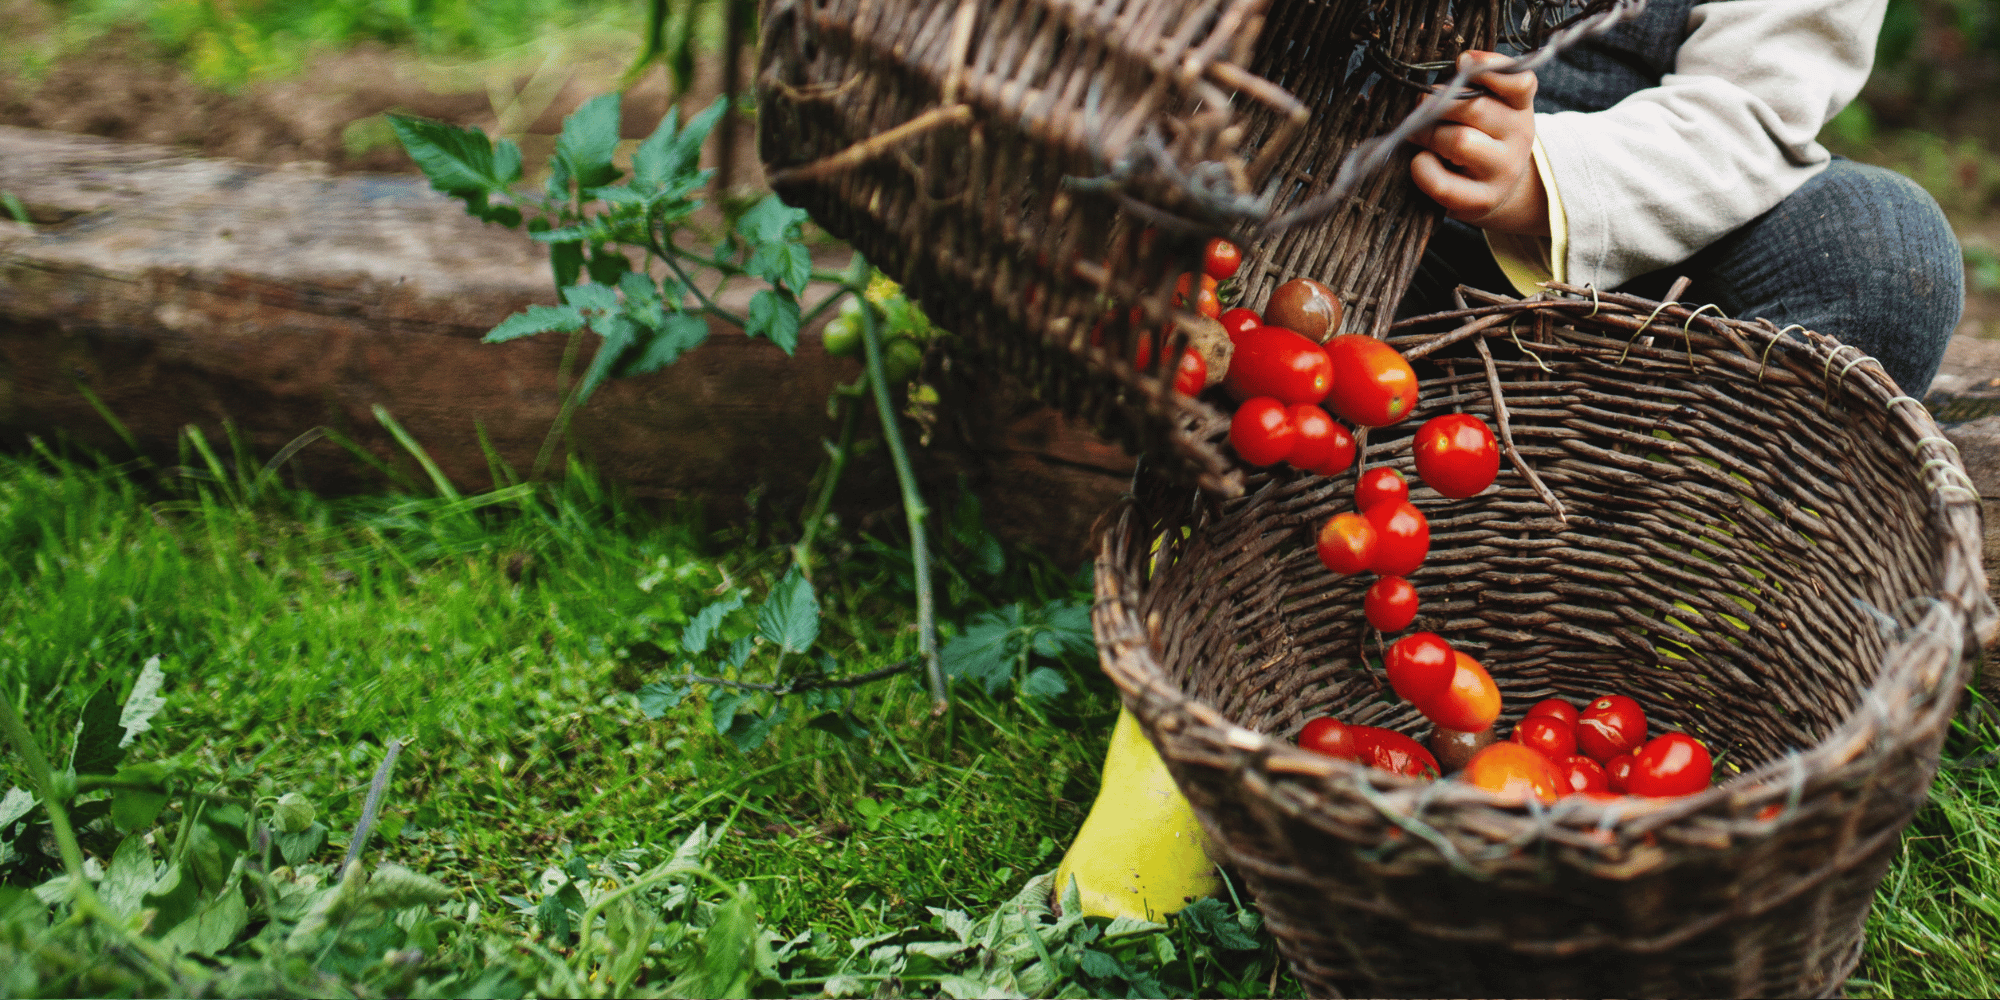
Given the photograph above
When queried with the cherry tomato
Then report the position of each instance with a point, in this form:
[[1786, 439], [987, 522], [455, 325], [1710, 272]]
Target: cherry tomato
[[1669, 765], [1456, 454], [1550, 736], [1391, 751], [1469, 703], [1609, 726], [1239, 321], [1189, 288], [1381, 484], [1346, 541], [1404, 538], [1617, 771], [1391, 604], [1272, 361], [1420, 667], [1316, 441], [1329, 736], [1341, 455], [1207, 302], [1555, 708], [1260, 431], [1221, 259], [1580, 774], [1304, 306], [1513, 772], [1192, 374], [1375, 386]]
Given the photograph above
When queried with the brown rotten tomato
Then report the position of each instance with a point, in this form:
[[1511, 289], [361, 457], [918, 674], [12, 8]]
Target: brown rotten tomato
[[1373, 385], [1304, 306]]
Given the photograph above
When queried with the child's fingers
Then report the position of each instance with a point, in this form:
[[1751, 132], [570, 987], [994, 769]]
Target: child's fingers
[[1462, 197], [1479, 154], [1485, 114], [1515, 90]]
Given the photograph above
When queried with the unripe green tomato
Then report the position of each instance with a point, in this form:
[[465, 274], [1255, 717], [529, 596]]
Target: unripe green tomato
[[901, 360], [842, 336]]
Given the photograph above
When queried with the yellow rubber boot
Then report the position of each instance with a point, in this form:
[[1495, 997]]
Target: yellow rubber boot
[[1141, 853]]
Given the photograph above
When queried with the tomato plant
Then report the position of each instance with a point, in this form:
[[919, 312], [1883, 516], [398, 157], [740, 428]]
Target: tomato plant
[[1456, 455], [1609, 726], [1469, 703], [1669, 765], [1403, 538], [1273, 361], [1331, 737], [1261, 431], [1550, 736], [1373, 385], [1379, 485], [1220, 259], [1306, 307], [1346, 541], [1391, 604], [1391, 751], [1513, 772], [1316, 437], [1555, 708], [1420, 667]]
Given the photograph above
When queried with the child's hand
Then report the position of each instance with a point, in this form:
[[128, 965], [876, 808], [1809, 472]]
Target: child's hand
[[1478, 162]]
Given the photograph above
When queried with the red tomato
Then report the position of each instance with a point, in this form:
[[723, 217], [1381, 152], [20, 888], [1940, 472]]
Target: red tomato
[[1469, 703], [1674, 764], [1316, 440], [1404, 538], [1346, 541], [1581, 775], [1456, 454], [1376, 387], [1550, 736], [1555, 708], [1609, 726], [1618, 770], [1239, 321], [1192, 375], [1341, 455], [1420, 667], [1274, 361], [1513, 772], [1221, 259], [1391, 604], [1381, 484], [1329, 736], [1391, 751], [1207, 302], [1260, 431]]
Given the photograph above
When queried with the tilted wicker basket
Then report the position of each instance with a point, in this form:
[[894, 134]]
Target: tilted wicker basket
[[1003, 160], [1759, 538]]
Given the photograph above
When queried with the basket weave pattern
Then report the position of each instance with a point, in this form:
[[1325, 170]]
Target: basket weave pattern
[[1760, 540]]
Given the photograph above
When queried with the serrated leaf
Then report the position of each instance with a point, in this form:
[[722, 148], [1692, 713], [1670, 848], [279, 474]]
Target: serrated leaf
[[656, 700], [966, 988], [677, 335], [722, 710], [770, 220], [589, 138], [457, 161], [97, 750], [749, 731], [790, 615], [782, 263], [594, 298], [1121, 927], [292, 813], [954, 921], [727, 954], [14, 805], [131, 874], [143, 703], [1043, 684], [607, 266], [214, 927], [987, 650], [695, 637], [1070, 625], [1211, 919], [394, 887], [774, 317], [739, 652], [553, 913], [1099, 965], [618, 333], [536, 319], [667, 152]]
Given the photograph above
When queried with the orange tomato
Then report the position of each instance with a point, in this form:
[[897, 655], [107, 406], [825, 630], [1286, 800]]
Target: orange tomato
[[1513, 772]]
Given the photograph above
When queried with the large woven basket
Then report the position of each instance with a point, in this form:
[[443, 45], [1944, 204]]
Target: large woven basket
[[1759, 538], [1004, 158]]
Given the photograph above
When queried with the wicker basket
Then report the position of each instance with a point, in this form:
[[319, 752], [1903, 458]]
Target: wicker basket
[[1760, 539], [1003, 159]]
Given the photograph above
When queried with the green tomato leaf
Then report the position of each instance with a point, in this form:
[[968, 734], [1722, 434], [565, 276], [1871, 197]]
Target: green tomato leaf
[[458, 161], [566, 261], [607, 266], [695, 637], [131, 873], [618, 333], [841, 725], [678, 334], [770, 221], [783, 263], [739, 651], [293, 813], [534, 320], [394, 887], [668, 153], [1043, 685], [136, 808], [14, 805], [589, 138], [728, 954], [215, 927], [1210, 918], [790, 616], [97, 749], [593, 298], [723, 708], [748, 732], [655, 700], [987, 650], [775, 317]]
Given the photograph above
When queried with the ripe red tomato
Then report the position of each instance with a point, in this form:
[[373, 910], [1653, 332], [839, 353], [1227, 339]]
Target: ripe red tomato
[[1341, 455], [1609, 726], [1392, 751], [1456, 454], [1316, 438], [1261, 432], [1273, 361], [1403, 538], [1550, 736], [1617, 771], [1580, 774], [1391, 604], [1669, 765], [1198, 293], [1420, 667], [1469, 703], [1192, 374], [1555, 708], [1239, 321], [1513, 772], [1346, 542], [1329, 736], [1221, 259], [1379, 485], [1376, 387]]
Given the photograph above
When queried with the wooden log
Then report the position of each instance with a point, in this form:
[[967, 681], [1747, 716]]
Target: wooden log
[[187, 291]]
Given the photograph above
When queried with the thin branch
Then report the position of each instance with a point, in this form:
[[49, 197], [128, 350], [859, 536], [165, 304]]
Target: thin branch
[[913, 509], [666, 253], [1507, 433]]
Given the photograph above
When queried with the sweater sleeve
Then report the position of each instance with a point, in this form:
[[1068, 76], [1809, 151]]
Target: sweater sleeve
[[1726, 136]]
